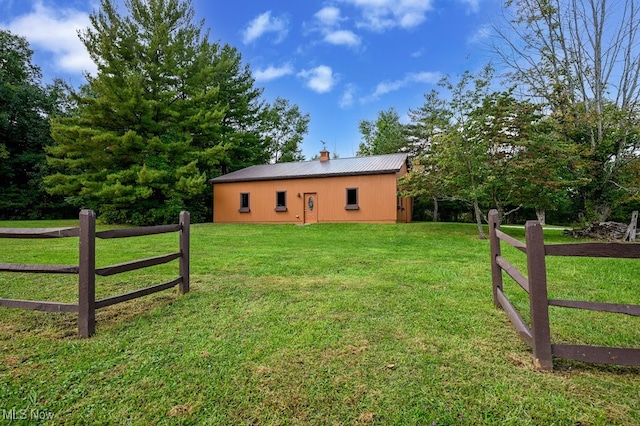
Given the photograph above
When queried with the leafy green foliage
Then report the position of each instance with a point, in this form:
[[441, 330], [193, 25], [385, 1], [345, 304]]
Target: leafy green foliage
[[238, 131], [489, 150], [456, 161], [385, 135], [167, 111], [565, 137], [579, 60], [25, 107], [427, 121], [283, 127]]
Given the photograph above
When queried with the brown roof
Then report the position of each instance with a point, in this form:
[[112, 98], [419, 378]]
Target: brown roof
[[373, 165]]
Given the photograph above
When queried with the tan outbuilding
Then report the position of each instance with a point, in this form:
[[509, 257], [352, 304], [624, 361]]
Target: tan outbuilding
[[359, 189]]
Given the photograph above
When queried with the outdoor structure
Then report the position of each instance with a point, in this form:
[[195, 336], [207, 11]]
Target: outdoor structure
[[87, 271], [359, 189], [538, 335]]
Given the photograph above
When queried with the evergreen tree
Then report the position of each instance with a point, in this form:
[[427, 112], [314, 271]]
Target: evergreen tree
[[238, 129], [386, 135], [147, 127], [283, 126]]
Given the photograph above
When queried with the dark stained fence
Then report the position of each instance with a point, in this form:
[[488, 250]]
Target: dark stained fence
[[538, 336], [87, 271]]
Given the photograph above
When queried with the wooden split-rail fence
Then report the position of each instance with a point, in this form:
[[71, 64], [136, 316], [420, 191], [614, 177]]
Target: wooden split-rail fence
[[538, 336], [87, 271]]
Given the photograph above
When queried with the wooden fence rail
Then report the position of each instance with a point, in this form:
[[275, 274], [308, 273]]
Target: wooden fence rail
[[538, 335], [87, 271]]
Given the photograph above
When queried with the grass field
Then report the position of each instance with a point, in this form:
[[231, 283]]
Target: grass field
[[326, 324]]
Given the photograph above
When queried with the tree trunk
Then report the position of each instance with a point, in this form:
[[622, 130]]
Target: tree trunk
[[435, 209], [478, 214], [541, 214]]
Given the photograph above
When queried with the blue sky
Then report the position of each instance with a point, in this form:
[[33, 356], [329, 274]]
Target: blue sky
[[341, 61]]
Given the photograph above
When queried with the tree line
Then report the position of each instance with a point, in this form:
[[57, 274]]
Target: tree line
[[561, 136], [166, 111]]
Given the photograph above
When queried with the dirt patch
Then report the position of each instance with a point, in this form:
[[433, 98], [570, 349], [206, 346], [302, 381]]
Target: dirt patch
[[180, 410], [365, 418], [12, 360]]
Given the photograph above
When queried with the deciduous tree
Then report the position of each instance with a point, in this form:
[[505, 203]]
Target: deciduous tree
[[25, 108], [581, 60], [486, 149]]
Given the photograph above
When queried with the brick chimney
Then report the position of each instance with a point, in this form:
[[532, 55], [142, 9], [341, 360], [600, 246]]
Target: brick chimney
[[324, 155]]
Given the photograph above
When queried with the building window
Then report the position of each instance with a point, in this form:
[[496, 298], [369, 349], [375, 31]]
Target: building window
[[352, 199], [281, 201], [244, 202]]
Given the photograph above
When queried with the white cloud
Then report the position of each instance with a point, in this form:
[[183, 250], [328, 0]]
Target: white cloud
[[263, 24], [319, 79], [428, 77], [55, 31], [328, 22], [342, 37], [387, 87], [481, 34], [418, 53], [425, 77], [348, 97], [272, 73], [473, 5], [380, 15], [329, 16]]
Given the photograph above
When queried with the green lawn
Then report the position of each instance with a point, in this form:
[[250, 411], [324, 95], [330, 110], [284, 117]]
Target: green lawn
[[322, 324]]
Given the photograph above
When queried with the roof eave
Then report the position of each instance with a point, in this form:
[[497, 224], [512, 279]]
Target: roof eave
[[322, 175]]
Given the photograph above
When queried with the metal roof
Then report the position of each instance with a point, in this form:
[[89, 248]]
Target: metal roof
[[375, 164]]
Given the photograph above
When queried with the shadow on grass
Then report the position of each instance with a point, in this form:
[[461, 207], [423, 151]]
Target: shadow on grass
[[567, 366], [64, 326]]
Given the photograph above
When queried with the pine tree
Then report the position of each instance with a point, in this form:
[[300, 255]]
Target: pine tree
[[283, 127], [238, 130], [386, 135], [146, 129]]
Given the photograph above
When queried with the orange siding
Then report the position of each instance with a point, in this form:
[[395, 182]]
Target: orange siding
[[377, 200]]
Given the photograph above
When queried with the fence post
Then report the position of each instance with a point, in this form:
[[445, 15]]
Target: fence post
[[87, 275], [494, 241], [538, 298], [185, 222]]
